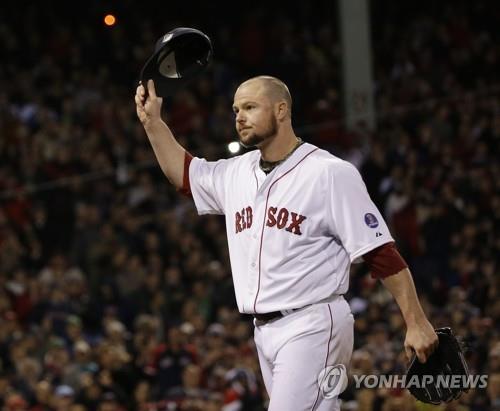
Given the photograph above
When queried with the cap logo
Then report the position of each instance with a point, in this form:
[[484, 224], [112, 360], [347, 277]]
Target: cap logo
[[167, 37]]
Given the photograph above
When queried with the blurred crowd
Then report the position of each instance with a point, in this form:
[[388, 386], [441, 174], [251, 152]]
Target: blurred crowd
[[116, 296]]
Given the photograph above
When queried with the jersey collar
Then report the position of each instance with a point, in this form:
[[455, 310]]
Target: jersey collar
[[285, 167], [294, 159]]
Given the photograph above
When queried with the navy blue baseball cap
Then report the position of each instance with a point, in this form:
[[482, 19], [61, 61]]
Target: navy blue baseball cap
[[179, 56]]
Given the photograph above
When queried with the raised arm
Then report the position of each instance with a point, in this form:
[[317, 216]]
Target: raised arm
[[169, 153]]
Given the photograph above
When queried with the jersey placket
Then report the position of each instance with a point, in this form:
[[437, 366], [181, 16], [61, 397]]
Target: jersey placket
[[254, 245], [256, 249]]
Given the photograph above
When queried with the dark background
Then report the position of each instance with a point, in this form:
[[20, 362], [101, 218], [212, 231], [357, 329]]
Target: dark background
[[114, 294]]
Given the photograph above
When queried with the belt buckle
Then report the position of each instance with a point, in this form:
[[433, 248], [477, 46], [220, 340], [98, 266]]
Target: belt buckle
[[286, 312]]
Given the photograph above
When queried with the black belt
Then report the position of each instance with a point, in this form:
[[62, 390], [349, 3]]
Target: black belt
[[266, 317]]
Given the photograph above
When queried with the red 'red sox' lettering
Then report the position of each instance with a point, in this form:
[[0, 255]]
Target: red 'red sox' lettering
[[280, 220], [243, 219]]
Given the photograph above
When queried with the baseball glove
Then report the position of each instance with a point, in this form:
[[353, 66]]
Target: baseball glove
[[444, 376]]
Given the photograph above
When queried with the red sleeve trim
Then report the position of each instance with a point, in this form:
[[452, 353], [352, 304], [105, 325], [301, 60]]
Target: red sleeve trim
[[385, 261], [186, 187]]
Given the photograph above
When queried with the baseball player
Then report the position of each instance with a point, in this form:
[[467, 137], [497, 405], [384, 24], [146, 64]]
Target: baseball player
[[297, 217]]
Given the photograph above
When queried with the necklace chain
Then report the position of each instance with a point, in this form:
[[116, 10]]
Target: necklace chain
[[268, 166]]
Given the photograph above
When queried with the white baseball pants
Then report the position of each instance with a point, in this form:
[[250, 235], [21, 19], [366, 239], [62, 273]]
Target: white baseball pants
[[295, 349]]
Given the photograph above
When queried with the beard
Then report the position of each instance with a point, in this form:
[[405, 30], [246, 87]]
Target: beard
[[253, 139]]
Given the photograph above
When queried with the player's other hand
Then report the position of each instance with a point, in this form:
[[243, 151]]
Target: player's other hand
[[148, 104], [421, 339]]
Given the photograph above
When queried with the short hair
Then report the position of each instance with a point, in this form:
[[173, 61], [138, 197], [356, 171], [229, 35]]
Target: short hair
[[275, 88]]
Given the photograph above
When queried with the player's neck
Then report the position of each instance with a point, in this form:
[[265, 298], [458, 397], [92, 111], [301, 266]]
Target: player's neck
[[278, 147]]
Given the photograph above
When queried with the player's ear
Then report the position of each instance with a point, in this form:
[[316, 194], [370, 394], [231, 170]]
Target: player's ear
[[281, 110]]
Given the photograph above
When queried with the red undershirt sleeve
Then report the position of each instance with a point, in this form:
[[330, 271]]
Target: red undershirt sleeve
[[384, 261], [186, 187]]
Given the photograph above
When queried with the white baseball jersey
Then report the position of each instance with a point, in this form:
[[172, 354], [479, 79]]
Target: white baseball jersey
[[293, 233]]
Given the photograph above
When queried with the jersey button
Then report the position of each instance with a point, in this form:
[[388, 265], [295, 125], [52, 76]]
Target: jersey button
[[253, 265]]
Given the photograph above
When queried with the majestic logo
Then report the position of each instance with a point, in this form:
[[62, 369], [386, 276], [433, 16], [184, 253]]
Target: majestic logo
[[243, 219], [371, 221], [281, 218]]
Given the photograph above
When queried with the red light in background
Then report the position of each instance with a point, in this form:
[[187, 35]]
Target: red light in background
[[109, 20]]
